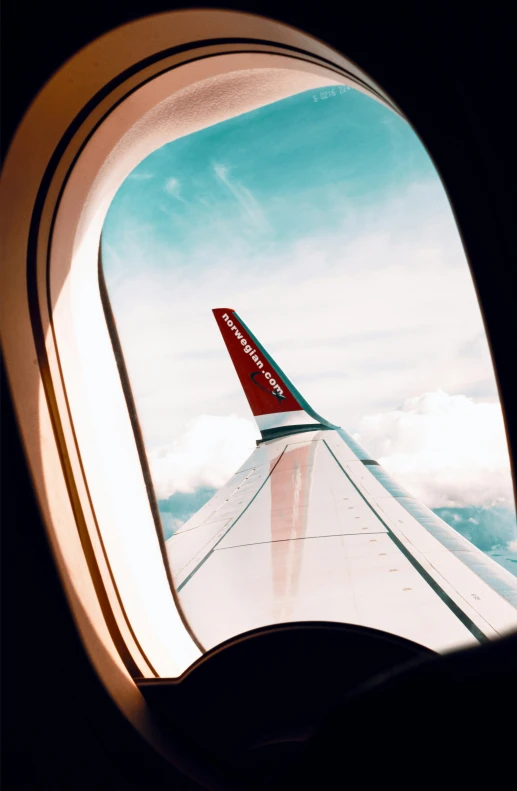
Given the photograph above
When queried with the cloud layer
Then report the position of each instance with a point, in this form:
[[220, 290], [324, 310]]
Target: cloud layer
[[447, 450], [328, 231], [358, 322], [206, 454]]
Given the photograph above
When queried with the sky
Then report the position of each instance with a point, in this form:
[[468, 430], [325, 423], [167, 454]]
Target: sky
[[323, 223]]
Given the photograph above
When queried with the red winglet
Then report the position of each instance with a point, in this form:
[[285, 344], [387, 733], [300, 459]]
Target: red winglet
[[263, 385]]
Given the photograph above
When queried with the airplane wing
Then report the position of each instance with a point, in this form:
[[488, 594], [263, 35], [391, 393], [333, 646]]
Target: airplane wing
[[312, 528]]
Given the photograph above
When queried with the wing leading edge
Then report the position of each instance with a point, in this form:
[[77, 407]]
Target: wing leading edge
[[311, 528]]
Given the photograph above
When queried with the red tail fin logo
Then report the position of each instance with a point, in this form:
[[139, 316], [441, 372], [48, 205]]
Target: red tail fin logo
[[265, 389], [278, 394]]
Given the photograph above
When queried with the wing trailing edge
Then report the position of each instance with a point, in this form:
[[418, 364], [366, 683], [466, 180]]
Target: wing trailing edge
[[277, 405]]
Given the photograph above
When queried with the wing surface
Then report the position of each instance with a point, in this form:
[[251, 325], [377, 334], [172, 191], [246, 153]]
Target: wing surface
[[311, 528]]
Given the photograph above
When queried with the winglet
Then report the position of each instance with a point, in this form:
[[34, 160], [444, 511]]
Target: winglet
[[278, 407]]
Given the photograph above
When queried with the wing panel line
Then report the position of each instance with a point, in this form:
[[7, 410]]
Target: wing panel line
[[300, 538], [194, 571], [444, 596], [209, 518]]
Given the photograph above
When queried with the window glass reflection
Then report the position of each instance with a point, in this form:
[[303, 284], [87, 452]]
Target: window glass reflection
[[307, 215]]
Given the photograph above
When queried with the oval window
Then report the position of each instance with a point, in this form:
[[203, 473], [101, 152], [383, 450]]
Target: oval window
[[289, 288]]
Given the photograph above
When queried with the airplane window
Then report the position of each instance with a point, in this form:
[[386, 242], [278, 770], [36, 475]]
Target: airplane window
[[240, 262]]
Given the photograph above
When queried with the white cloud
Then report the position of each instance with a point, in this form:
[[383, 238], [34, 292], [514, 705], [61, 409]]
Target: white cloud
[[251, 208], [360, 321], [221, 171], [207, 453], [173, 188], [140, 176], [170, 524], [447, 450], [353, 337]]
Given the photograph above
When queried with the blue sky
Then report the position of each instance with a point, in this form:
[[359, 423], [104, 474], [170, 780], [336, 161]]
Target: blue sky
[[198, 187], [323, 223]]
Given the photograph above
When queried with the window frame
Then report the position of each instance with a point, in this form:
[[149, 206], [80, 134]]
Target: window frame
[[45, 228]]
